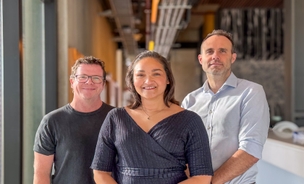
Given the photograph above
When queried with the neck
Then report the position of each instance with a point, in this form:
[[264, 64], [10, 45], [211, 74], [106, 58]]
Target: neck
[[152, 111], [84, 106], [153, 104], [214, 86], [215, 82]]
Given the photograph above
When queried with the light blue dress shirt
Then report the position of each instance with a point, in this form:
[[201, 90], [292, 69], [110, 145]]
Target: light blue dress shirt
[[236, 117]]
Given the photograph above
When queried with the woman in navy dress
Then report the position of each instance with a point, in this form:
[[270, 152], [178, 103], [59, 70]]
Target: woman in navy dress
[[153, 140]]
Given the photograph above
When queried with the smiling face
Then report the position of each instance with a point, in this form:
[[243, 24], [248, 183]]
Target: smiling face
[[150, 79], [87, 90], [216, 56]]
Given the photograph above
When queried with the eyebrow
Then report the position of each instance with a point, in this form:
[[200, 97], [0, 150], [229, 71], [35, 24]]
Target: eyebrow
[[208, 49], [224, 49], [154, 70]]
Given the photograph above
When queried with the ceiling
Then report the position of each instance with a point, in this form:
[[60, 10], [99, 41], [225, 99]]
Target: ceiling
[[244, 3], [133, 27]]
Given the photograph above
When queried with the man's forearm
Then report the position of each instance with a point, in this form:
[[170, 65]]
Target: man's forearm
[[236, 165]]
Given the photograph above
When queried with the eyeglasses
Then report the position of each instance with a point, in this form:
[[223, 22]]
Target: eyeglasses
[[96, 79]]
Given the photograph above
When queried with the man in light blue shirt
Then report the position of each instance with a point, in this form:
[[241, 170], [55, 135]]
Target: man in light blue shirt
[[235, 113]]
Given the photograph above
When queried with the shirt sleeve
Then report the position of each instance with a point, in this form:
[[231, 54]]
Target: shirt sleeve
[[105, 152], [197, 148], [255, 121], [44, 139]]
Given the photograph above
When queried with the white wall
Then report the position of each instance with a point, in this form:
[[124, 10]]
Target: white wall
[[270, 174]]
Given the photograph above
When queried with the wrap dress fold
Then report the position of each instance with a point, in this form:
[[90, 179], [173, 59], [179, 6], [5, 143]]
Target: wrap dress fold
[[158, 156]]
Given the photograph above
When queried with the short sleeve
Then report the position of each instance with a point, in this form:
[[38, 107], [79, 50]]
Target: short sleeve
[[255, 122], [44, 139], [105, 152], [197, 148]]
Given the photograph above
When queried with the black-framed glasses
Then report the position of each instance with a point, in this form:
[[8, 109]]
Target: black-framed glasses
[[96, 79]]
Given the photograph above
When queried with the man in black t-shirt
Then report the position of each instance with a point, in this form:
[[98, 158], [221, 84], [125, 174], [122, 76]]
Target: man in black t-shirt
[[66, 137]]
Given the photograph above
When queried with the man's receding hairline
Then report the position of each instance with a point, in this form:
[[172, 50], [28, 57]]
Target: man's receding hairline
[[221, 36]]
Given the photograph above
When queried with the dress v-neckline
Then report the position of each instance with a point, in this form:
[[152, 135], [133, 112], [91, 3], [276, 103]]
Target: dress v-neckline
[[156, 125]]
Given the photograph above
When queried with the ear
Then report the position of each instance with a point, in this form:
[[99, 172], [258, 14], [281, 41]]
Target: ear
[[104, 83], [200, 59], [233, 57], [71, 82]]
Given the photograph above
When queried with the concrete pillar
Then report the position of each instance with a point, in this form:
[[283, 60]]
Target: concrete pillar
[[33, 77], [294, 65], [63, 54]]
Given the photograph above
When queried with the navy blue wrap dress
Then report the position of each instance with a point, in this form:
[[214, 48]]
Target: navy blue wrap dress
[[158, 156]]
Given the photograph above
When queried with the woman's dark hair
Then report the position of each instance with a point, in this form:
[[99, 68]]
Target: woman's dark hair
[[169, 92]]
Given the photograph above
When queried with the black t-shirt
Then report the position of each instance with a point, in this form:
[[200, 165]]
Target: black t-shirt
[[71, 136]]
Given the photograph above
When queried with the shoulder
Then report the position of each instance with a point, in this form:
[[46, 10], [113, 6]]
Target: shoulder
[[189, 118], [55, 118], [114, 118], [239, 85], [189, 123], [191, 115], [246, 84], [107, 107], [249, 89], [252, 94], [194, 94], [57, 113], [118, 112]]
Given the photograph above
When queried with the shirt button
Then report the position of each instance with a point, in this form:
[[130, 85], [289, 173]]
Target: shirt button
[[210, 111], [208, 127]]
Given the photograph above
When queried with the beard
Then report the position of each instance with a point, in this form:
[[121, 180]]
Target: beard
[[219, 70]]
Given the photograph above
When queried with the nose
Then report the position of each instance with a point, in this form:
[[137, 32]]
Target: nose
[[148, 79], [215, 56], [89, 81]]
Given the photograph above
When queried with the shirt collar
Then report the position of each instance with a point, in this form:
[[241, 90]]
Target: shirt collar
[[231, 81]]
